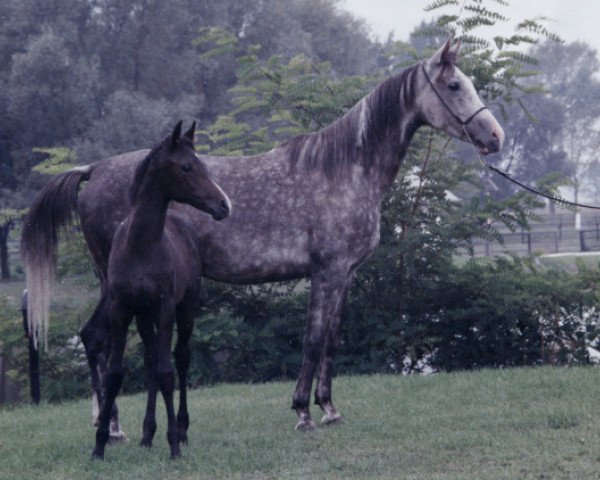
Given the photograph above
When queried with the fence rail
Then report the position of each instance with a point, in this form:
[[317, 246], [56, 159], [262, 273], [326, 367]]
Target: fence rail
[[556, 234]]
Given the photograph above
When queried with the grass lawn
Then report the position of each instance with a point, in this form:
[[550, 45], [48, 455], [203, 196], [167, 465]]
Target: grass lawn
[[569, 262], [541, 423]]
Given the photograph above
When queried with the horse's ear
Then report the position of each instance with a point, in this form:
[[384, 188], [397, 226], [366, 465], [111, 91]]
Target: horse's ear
[[190, 134], [456, 49], [445, 56], [176, 135]]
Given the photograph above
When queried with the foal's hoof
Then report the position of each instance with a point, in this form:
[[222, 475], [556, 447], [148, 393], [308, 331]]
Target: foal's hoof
[[305, 426], [175, 454], [146, 443], [332, 419], [183, 438], [97, 455]]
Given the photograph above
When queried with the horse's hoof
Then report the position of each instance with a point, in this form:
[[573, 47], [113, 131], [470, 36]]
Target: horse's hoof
[[117, 437], [183, 438], [305, 426], [145, 443], [332, 419], [97, 455], [175, 454]]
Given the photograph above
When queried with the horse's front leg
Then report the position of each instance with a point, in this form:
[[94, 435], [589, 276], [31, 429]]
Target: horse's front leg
[[325, 290], [145, 326], [165, 374], [119, 322], [185, 326], [332, 342]]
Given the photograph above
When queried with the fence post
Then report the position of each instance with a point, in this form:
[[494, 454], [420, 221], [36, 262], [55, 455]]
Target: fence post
[[34, 359], [582, 246], [555, 242], [3, 393], [529, 243], [560, 227]]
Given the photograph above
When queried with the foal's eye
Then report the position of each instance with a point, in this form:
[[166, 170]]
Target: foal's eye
[[454, 86], [187, 168]]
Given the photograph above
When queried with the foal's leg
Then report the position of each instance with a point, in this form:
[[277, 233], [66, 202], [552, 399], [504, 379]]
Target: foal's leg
[[332, 342], [325, 290], [145, 326], [119, 323], [165, 373], [95, 336], [185, 326]]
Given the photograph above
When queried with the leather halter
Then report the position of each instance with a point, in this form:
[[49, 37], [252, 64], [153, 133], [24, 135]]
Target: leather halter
[[446, 106]]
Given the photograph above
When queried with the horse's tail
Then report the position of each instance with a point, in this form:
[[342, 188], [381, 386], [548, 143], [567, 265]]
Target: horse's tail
[[53, 209]]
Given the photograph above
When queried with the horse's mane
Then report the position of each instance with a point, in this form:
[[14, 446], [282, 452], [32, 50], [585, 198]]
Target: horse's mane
[[140, 172], [357, 136]]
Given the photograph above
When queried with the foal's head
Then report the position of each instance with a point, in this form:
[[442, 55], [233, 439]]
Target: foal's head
[[449, 102], [177, 173]]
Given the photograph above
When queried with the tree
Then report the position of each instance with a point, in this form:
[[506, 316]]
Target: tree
[[569, 71], [129, 119]]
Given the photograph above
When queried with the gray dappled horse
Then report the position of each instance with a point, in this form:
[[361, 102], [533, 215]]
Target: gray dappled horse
[[154, 274], [308, 208]]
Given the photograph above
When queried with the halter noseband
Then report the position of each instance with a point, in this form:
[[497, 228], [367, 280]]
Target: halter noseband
[[446, 106]]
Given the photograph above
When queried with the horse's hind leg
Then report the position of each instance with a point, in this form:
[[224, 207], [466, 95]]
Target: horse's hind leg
[[332, 342], [185, 326], [114, 377], [145, 326], [95, 336]]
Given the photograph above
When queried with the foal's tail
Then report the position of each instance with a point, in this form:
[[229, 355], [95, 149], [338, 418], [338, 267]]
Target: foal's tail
[[53, 209]]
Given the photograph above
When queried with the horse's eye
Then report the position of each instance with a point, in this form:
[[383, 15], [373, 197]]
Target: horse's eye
[[454, 86], [187, 168]]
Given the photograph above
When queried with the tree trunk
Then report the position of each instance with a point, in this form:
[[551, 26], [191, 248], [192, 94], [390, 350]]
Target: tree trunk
[[4, 264]]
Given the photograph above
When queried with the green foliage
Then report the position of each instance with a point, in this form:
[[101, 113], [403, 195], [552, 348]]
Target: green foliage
[[10, 215], [256, 336], [60, 159], [63, 368], [286, 97]]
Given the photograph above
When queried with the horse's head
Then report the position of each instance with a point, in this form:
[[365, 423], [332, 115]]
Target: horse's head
[[448, 101], [186, 177]]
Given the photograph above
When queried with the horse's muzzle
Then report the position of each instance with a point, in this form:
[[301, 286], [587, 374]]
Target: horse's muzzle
[[222, 211]]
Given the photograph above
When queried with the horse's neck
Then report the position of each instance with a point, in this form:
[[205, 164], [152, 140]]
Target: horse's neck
[[391, 155], [147, 219]]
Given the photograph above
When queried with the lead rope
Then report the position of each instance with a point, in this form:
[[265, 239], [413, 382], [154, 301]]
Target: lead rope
[[546, 194]]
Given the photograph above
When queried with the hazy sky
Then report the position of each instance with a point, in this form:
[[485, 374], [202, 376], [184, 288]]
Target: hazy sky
[[571, 19]]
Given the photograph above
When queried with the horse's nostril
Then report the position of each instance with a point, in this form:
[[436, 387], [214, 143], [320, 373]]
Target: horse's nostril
[[225, 205]]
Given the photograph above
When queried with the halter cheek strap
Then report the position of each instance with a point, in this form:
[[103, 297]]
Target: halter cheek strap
[[464, 123]]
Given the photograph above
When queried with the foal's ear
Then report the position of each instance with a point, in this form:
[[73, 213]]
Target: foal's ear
[[176, 135], [191, 133]]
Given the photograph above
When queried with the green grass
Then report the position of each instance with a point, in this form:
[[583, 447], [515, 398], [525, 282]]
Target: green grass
[[569, 262], [507, 424]]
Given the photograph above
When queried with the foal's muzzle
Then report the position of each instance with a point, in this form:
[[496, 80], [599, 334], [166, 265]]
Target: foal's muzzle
[[222, 211]]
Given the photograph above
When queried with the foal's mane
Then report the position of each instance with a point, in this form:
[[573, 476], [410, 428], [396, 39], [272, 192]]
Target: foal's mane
[[140, 172], [358, 135]]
